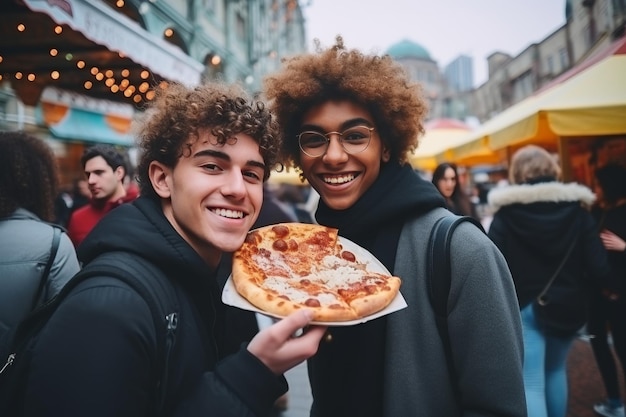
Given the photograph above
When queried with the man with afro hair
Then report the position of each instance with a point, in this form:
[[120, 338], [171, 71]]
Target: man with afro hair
[[349, 122]]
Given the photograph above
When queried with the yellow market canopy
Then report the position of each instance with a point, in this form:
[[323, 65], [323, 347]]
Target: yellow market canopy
[[591, 102], [440, 134]]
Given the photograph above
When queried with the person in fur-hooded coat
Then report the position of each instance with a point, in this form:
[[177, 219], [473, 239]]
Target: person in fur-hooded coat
[[536, 219]]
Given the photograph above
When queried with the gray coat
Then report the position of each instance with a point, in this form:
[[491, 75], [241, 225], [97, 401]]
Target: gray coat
[[25, 243], [484, 327]]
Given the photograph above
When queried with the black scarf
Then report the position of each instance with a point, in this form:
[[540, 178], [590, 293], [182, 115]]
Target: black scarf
[[376, 219]]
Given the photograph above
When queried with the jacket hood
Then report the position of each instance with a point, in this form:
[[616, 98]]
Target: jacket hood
[[554, 192], [141, 228], [544, 217]]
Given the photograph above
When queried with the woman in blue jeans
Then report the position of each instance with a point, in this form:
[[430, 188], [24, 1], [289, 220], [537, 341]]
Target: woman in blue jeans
[[545, 373], [537, 218]]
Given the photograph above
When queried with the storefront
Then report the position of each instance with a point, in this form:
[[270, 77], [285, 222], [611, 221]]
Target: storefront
[[83, 70], [581, 116]]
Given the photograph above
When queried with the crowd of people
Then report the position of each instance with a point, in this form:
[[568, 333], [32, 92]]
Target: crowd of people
[[347, 122]]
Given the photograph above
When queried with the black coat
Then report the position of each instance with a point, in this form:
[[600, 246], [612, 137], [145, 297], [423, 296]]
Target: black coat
[[534, 225], [97, 355]]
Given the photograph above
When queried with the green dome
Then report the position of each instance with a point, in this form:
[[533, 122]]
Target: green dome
[[408, 49]]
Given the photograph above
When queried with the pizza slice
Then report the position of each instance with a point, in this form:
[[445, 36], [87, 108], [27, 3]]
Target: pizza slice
[[286, 267]]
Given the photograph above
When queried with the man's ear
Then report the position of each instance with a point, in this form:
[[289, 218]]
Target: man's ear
[[160, 177], [120, 173]]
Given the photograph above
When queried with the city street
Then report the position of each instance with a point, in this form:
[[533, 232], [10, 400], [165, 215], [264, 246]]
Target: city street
[[585, 385]]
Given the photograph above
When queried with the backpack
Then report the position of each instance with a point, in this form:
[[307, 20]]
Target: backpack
[[141, 275], [439, 280], [39, 292]]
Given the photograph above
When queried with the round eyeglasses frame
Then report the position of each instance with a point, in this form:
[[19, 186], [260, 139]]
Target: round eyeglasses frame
[[342, 141]]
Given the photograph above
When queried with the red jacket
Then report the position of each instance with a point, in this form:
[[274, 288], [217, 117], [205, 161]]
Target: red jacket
[[85, 218]]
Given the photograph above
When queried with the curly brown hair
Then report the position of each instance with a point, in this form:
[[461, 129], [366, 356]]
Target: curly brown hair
[[378, 83], [28, 175], [178, 113]]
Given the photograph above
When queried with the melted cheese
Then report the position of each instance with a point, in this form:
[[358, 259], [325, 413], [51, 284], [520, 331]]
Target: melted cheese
[[283, 287]]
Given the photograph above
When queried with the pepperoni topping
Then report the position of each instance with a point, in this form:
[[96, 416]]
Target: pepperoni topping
[[348, 256], [280, 230], [280, 245], [312, 302]]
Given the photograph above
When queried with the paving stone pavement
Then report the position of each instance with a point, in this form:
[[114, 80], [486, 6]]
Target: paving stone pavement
[[299, 395], [585, 385]]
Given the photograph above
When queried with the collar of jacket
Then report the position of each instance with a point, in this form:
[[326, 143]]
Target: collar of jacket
[[547, 192]]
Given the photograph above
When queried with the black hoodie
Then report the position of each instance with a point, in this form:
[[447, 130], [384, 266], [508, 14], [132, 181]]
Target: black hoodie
[[96, 356]]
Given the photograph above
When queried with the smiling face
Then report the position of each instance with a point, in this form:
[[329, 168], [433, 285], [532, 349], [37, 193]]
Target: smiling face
[[339, 177], [214, 193]]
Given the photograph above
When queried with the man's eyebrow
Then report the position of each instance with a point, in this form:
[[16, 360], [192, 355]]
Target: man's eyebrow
[[224, 156], [359, 121]]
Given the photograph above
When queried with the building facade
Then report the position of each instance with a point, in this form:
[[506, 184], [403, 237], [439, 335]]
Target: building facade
[[589, 25]]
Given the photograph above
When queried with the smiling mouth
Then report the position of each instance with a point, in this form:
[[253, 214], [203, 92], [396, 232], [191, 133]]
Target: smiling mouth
[[338, 179], [229, 214]]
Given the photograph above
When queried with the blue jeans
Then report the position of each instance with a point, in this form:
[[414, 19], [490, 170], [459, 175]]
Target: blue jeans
[[545, 373]]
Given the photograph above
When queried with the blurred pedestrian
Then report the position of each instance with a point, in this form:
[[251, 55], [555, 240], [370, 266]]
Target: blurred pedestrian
[[350, 121], [540, 223], [446, 179], [68, 201], [105, 172], [28, 182], [608, 304]]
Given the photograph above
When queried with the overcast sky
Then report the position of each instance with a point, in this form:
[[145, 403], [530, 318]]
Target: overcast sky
[[446, 28]]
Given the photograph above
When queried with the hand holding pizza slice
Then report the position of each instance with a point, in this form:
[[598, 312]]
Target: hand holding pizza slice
[[291, 266]]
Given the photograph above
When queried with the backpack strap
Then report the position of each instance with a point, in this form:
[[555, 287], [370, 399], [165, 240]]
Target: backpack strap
[[54, 247], [143, 277], [439, 277]]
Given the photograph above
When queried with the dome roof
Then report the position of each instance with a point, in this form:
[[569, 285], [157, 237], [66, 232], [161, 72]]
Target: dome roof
[[408, 49]]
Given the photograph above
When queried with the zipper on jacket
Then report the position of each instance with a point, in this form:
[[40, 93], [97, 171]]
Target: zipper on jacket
[[8, 363], [171, 325]]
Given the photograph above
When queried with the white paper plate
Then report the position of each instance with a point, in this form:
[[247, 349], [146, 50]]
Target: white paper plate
[[231, 297]]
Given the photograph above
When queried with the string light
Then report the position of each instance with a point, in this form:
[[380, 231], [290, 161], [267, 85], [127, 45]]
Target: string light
[[169, 32], [124, 84]]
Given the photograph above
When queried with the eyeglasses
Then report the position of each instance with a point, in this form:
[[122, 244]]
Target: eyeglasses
[[353, 140]]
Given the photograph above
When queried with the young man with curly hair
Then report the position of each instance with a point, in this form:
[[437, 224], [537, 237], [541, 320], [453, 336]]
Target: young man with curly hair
[[205, 154], [349, 121]]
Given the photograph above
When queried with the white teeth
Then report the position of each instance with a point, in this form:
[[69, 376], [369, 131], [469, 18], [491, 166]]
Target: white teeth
[[231, 214], [339, 180]]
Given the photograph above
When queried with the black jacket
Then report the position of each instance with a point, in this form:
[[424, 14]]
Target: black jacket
[[533, 226], [97, 355]]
